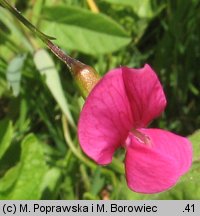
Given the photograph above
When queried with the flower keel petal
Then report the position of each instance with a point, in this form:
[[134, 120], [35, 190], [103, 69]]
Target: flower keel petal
[[155, 168]]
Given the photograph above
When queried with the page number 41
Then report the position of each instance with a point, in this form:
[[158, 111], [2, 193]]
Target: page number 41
[[189, 208]]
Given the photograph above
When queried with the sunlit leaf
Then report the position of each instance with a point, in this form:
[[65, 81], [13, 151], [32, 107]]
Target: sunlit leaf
[[81, 30], [13, 73], [46, 67], [49, 188], [24, 180]]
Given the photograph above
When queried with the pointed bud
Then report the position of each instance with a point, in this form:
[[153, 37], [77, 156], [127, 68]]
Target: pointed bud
[[85, 76]]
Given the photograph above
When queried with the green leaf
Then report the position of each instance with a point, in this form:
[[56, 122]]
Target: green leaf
[[8, 181], [98, 182], [82, 30], [24, 180], [49, 187], [6, 132], [67, 186], [142, 8], [13, 73], [195, 140], [46, 67]]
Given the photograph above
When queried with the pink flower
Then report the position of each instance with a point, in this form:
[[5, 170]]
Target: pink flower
[[114, 115]]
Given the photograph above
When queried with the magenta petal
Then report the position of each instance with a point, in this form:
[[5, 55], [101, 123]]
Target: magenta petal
[[145, 93], [106, 118], [157, 167]]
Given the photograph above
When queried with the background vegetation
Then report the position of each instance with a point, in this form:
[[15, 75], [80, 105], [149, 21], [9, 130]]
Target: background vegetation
[[40, 157]]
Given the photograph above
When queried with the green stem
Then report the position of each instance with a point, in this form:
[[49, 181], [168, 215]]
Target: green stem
[[31, 27], [71, 144], [85, 177]]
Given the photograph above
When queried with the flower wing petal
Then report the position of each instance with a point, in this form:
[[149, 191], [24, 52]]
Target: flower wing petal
[[105, 119], [157, 167], [145, 93]]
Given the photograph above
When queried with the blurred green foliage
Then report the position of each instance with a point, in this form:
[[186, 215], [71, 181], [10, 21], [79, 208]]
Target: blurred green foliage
[[40, 156]]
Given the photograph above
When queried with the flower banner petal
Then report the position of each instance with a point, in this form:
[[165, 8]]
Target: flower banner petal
[[106, 118], [156, 166], [145, 93]]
